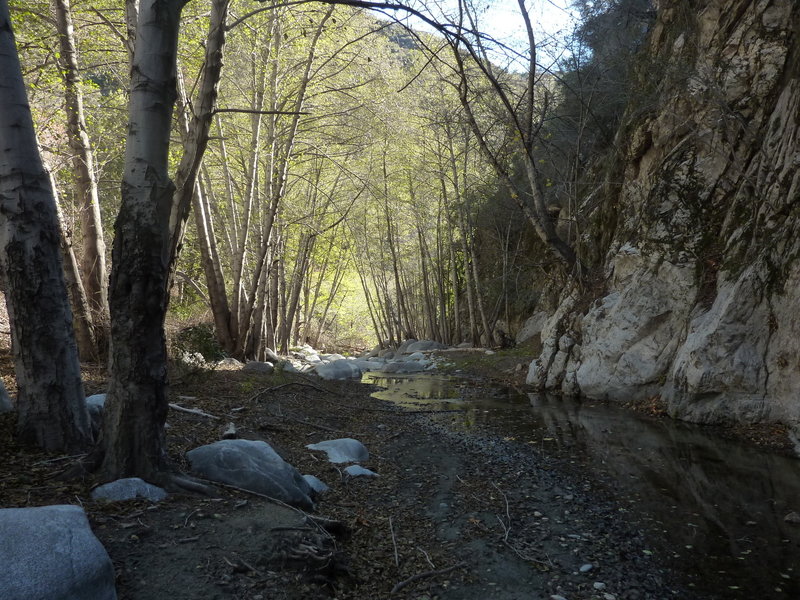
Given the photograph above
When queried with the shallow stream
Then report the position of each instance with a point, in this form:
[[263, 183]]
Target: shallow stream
[[719, 505]]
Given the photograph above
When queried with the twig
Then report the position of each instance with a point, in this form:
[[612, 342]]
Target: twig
[[394, 543], [425, 575], [506, 526], [188, 539], [427, 557], [189, 516], [59, 459], [192, 411]]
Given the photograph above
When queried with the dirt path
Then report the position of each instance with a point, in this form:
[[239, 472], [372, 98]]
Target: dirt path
[[451, 516]]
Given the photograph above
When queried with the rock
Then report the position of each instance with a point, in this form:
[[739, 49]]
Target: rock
[[792, 518], [631, 336], [557, 597], [586, 568], [316, 484], [375, 364], [387, 354], [51, 553], [272, 355], [128, 489], [424, 346], [230, 432], [230, 363], [359, 471], [253, 466], [532, 327], [287, 366], [403, 347], [339, 369], [257, 366], [342, 450], [418, 356], [465, 345], [96, 404], [5, 400], [410, 366], [599, 586]]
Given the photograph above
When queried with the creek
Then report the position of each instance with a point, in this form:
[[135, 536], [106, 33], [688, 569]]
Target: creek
[[718, 506]]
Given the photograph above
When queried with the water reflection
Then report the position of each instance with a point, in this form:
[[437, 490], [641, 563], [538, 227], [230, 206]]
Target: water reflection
[[721, 503]]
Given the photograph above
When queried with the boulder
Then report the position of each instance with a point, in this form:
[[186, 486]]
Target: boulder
[[129, 488], [230, 363], [50, 553], [272, 355], [342, 450], [339, 369], [5, 400], [424, 346], [403, 348], [410, 366], [375, 364], [251, 465], [257, 366], [532, 327], [96, 404]]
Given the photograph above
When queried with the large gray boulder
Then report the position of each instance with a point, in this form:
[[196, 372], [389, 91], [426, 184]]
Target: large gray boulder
[[339, 369], [129, 488], [424, 346], [254, 466], [5, 400], [403, 347], [257, 366], [342, 450], [410, 366], [50, 553]]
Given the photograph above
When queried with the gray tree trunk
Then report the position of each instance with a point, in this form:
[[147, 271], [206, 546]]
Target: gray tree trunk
[[93, 264], [136, 408], [52, 410]]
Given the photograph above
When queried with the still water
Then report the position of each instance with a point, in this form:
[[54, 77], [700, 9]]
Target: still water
[[719, 505]]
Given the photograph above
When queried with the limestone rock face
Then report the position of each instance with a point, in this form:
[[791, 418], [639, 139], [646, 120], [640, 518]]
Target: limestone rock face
[[699, 303]]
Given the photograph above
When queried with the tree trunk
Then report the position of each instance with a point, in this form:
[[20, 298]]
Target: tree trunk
[[93, 263], [136, 408], [50, 401]]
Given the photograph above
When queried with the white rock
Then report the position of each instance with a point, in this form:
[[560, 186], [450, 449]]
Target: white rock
[[342, 450], [532, 327], [50, 553], [359, 471], [586, 568], [128, 489], [257, 366], [5, 401], [316, 484], [599, 586], [339, 369]]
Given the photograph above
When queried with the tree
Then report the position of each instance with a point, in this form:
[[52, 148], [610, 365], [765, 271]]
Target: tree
[[136, 409], [52, 411]]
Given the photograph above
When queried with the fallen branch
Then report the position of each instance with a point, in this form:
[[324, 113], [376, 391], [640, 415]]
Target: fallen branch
[[193, 411], [394, 543], [425, 575]]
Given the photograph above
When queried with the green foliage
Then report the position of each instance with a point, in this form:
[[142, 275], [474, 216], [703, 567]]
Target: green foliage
[[197, 339]]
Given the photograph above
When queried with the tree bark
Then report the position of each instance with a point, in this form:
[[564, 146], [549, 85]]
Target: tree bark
[[93, 263], [136, 409], [50, 401]]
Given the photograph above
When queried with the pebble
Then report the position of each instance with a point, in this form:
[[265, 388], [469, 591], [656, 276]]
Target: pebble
[[537, 514], [599, 586], [585, 568], [793, 518], [557, 597], [609, 597]]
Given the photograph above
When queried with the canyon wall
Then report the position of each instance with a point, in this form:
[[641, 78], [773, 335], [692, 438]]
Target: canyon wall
[[699, 300]]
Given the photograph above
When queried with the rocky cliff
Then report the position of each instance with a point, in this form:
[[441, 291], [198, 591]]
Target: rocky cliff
[[700, 299]]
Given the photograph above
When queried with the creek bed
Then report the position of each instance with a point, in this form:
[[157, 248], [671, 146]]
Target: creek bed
[[718, 506]]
